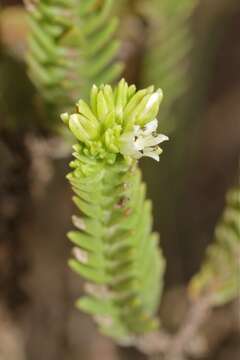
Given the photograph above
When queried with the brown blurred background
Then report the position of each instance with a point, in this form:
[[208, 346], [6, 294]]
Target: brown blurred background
[[37, 290]]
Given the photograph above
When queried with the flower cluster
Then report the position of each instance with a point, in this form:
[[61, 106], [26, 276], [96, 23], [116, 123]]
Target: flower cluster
[[122, 121]]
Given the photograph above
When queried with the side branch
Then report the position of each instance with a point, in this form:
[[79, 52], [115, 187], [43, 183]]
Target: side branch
[[174, 347]]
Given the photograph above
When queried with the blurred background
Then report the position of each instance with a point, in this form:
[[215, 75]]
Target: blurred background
[[37, 290]]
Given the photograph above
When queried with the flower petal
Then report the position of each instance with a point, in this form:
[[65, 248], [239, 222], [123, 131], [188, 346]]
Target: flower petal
[[150, 127]]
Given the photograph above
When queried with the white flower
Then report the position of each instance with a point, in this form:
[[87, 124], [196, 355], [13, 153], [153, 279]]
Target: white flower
[[143, 141]]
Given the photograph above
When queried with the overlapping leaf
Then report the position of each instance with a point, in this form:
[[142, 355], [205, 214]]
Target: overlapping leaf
[[166, 62], [115, 249], [72, 44], [220, 273]]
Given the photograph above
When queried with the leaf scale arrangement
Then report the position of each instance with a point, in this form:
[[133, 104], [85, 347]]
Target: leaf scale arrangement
[[115, 249], [167, 59], [220, 273], [72, 44]]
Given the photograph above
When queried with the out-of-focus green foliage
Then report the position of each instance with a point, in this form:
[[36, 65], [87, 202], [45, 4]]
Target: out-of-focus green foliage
[[116, 251], [166, 62], [72, 45], [220, 273]]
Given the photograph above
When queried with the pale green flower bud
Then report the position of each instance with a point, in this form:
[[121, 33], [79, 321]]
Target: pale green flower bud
[[121, 99], [131, 91], [65, 118], [151, 108], [133, 103], [110, 137], [138, 111], [93, 99], [85, 110], [102, 107], [109, 97], [109, 120], [77, 128]]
